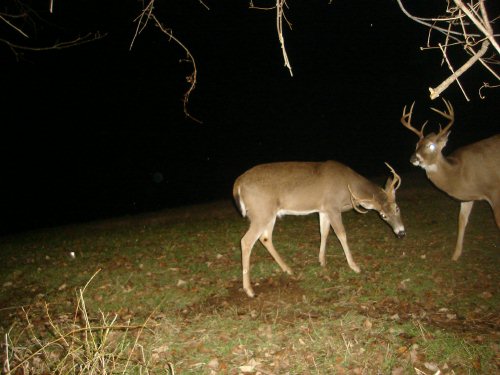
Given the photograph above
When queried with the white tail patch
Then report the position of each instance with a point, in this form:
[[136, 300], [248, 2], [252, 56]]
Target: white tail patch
[[242, 204]]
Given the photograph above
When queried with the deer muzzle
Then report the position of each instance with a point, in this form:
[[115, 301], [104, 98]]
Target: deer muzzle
[[415, 159], [400, 234]]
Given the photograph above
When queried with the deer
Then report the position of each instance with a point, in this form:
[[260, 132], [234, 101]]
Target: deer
[[269, 191], [470, 173]]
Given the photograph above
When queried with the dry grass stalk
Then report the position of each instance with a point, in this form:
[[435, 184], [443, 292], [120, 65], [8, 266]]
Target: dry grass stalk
[[76, 345]]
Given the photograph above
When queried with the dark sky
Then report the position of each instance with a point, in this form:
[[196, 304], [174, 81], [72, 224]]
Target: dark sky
[[98, 130]]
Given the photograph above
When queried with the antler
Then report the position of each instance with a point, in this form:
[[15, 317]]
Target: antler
[[396, 179], [406, 121], [354, 201], [449, 114]]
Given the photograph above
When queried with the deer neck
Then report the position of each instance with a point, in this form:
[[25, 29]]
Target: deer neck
[[445, 174], [366, 189]]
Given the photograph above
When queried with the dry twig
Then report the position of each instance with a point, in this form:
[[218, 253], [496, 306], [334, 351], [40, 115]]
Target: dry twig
[[467, 26]]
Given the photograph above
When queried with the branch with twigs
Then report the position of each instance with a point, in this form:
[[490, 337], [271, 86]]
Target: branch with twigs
[[146, 15], [280, 16], [16, 20], [467, 26]]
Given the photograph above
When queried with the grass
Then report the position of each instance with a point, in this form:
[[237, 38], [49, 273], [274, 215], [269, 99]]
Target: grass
[[161, 293]]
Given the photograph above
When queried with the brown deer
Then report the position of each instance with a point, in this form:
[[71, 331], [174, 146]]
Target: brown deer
[[268, 191], [469, 174]]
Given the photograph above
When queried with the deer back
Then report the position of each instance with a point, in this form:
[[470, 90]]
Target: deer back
[[301, 187]]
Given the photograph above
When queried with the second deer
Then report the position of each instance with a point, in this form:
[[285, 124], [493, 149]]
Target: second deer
[[469, 174]]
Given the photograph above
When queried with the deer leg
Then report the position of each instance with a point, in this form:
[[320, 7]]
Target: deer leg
[[324, 228], [338, 228], [463, 219], [266, 239], [247, 243], [495, 206]]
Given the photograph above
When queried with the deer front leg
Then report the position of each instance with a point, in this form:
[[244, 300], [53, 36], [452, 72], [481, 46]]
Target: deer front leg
[[463, 219], [324, 229], [495, 206], [338, 228], [267, 240]]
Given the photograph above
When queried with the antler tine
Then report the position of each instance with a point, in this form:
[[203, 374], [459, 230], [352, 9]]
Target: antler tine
[[406, 121], [396, 180], [449, 114], [354, 203]]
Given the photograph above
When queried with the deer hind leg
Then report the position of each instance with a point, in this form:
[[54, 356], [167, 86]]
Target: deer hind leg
[[266, 239], [463, 219], [324, 229], [247, 243], [338, 228]]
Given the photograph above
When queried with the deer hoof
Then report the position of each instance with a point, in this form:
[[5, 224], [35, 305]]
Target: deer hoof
[[250, 293]]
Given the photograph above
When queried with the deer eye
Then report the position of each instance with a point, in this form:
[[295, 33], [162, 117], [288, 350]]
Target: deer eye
[[431, 146]]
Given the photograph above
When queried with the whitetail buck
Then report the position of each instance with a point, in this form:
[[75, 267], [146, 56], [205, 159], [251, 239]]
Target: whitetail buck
[[271, 190], [468, 174]]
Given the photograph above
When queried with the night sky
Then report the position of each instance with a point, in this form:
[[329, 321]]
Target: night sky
[[99, 131]]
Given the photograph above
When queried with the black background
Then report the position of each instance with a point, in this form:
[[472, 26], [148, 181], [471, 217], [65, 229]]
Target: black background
[[99, 130]]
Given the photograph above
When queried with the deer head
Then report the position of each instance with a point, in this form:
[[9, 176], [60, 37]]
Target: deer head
[[429, 147], [386, 205]]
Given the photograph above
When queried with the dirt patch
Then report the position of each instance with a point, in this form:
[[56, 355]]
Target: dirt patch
[[282, 292]]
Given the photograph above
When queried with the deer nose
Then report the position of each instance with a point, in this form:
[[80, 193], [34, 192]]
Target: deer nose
[[401, 234], [415, 159]]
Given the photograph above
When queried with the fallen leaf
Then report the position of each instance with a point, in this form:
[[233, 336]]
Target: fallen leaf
[[367, 324], [402, 349], [431, 366], [213, 364], [486, 295], [246, 369]]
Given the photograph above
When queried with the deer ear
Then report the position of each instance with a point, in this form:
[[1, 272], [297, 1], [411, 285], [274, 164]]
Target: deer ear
[[368, 204], [443, 139]]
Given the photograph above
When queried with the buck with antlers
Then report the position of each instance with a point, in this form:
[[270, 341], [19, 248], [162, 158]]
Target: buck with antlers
[[468, 174], [271, 190]]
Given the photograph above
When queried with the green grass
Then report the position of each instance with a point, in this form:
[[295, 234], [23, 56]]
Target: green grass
[[177, 274]]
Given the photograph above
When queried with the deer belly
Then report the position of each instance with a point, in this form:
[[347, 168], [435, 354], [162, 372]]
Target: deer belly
[[283, 212]]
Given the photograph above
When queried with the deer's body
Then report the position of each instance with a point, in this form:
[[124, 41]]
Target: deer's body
[[329, 188], [461, 174], [468, 174]]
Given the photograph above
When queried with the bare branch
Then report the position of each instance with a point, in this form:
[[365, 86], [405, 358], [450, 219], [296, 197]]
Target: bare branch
[[90, 37], [280, 15], [465, 26], [279, 26], [444, 85], [485, 28], [142, 21], [18, 29]]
